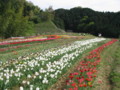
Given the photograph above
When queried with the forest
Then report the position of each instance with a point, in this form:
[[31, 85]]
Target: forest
[[18, 18], [86, 20]]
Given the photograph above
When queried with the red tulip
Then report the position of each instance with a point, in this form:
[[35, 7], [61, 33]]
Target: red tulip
[[73, 84]]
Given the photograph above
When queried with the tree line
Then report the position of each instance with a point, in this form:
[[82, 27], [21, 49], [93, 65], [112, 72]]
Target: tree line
[[86, 20]]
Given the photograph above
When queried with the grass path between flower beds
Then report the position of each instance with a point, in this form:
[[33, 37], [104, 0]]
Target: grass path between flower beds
[[61, 82], [115, 73], [108, 58]]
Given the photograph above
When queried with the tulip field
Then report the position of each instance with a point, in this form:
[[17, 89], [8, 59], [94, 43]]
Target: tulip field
[[42, 69]]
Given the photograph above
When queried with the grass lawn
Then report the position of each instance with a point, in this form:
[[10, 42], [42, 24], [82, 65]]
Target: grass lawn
[[47, 27]]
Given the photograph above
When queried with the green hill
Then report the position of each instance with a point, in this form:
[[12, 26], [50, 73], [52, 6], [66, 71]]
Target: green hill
[[47, 27]]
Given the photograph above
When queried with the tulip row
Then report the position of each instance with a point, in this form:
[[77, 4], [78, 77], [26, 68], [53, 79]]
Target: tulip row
[[18, 40], [25, 41], [16, 47], [86, 72], [38, 72], [5, 48]]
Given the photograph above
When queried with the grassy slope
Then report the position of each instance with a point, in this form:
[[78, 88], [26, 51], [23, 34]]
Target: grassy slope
[[47, 27]]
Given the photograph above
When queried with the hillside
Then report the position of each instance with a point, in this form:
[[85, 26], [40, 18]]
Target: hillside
[[86, 20], [47, 27]]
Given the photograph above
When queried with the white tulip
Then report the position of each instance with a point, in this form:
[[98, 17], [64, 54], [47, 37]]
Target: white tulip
[[40, 77], [34, 77], [21, 88], [31, 87], [29, 76], [37, 88], [24, 82], [28, 83], [36, 73]]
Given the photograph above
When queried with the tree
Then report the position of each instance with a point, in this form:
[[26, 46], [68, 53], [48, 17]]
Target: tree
[[48, 14], [32, 12], [12, 22], [85, 25]]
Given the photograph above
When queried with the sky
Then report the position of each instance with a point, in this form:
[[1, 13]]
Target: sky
[[97, 5]]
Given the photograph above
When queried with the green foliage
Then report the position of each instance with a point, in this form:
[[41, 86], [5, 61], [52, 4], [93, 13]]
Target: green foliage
[[86, 20], [47, 15], [85, 24], [32, 12], [59, 23], [12, 21], [20, 18], [59, 19]]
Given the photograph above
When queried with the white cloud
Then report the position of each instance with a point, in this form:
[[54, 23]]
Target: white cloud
[[98, 5]]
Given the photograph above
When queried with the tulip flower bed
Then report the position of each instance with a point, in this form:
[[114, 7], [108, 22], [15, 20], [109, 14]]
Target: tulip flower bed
[[35, 38], [18, 46], [43, 70], [31, 39], [24, 41], [14, 47], [18, 40], [86, 72], [30, 51], [5, 46], [18, 43]]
